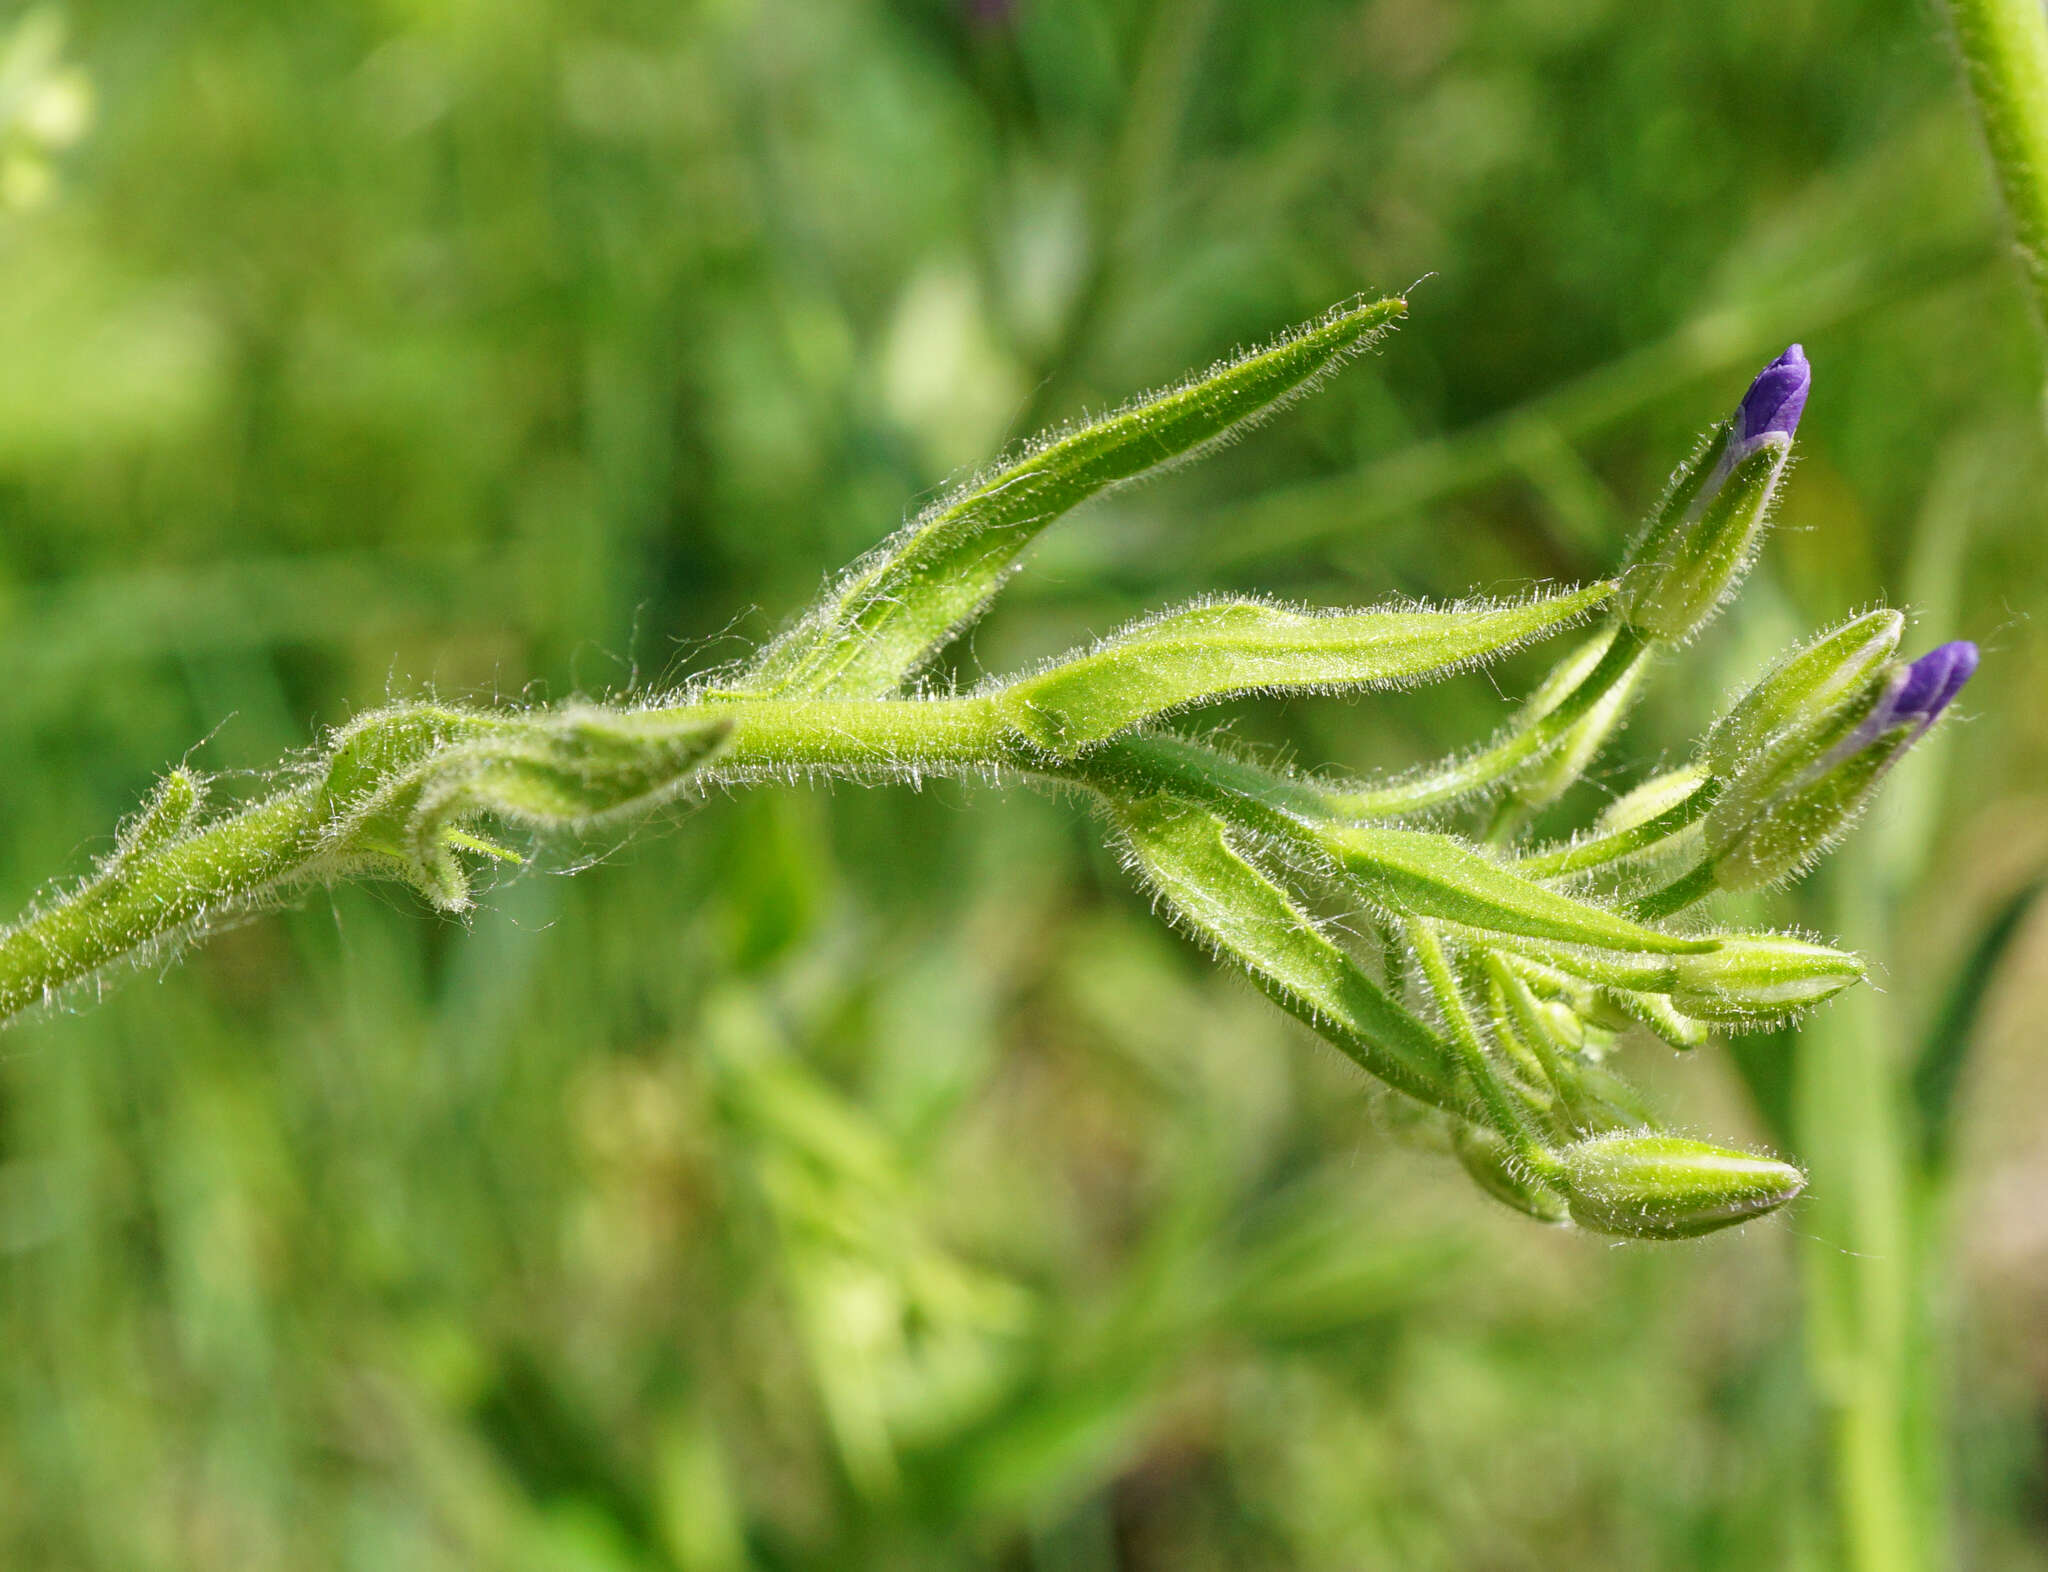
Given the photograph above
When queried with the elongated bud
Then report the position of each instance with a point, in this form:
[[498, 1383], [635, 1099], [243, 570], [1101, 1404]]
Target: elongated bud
[[1669, 1187], [1736, 978], [1760, 975], [1422, 874], [1808, 700], [1699, 543], [1795, 795], [1495, 1169]]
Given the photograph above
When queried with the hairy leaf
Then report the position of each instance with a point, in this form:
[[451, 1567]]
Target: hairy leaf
[[1205, 653], [1185, 854], [897, 606]]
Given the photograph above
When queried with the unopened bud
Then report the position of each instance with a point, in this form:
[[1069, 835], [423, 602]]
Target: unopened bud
[[1789, 801], [1496, 1169], [1757, 975], [1700, 542], [1669, 1187], [1804, 703]]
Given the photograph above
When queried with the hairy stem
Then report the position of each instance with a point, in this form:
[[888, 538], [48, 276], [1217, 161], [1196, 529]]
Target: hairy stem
[[2004, 50]]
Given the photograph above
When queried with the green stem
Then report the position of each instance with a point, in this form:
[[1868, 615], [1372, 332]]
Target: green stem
[[1696, 884], [2004, 50], [1599, 850], [1535, 735], [239, 860]]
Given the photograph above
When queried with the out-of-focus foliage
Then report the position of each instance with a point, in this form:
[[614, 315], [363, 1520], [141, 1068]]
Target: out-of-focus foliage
[[861, 1179]]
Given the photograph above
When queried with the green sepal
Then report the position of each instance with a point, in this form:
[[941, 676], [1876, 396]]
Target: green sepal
[[1650, 801], [1695, 555], [1202, 654], [1668, 1187], [1770, 830], [1656, 1013], [1805, 703], [899, 605]]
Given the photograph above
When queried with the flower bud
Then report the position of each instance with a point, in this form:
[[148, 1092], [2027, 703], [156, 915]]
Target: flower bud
[[1668, 1187], [1807, 699], [1493, 1166], [1764, 974], [1700, 541], [1789, 800]]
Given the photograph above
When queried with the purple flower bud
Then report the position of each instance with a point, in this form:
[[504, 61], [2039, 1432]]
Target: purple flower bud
[[1778, 811], [1774, 402], [1932, 681], [1699, 542], [1916, 698]]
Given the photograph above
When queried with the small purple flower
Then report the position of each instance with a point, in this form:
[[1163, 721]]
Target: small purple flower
[[1774, 402]]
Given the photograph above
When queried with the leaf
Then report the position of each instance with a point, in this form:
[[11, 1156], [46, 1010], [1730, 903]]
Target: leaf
[[1767, 1062], [1202, 654], [1422, 874], [1938, 1068], [1186, 855], [896, 607]]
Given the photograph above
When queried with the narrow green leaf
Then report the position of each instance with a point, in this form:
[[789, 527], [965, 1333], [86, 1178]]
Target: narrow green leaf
[[1222, 899], [575, 768], [169, 814], [1422, 874], [1938, 1068], [897, 606], [1201, 654]]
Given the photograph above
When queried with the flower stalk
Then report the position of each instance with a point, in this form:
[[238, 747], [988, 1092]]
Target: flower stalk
[[1483, 978]]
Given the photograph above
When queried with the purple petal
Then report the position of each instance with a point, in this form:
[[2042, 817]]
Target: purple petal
[[1931, 683], [1775, 399], [1917, 697]]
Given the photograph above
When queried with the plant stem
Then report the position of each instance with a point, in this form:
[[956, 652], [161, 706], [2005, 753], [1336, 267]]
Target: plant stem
[[2004, 50], [240, 859], [1524, 742]]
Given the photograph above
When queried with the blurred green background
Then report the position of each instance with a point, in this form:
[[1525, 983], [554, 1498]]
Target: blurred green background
[[865, 1179]]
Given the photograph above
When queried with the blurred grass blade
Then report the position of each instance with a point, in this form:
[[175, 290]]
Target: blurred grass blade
[[1938, 1067], [1205, 653], [1767, 1061], [897, 606]]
